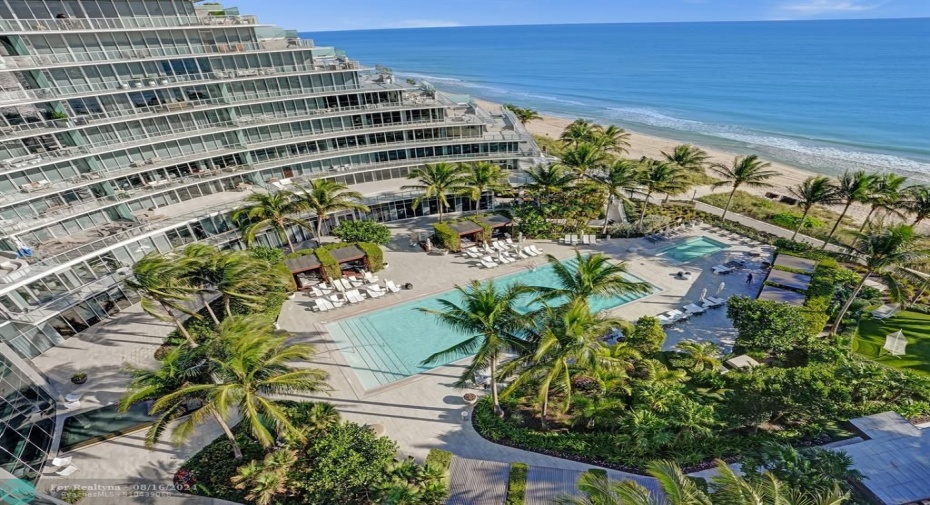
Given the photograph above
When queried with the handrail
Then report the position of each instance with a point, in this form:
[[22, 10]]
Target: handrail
[[135, 22]]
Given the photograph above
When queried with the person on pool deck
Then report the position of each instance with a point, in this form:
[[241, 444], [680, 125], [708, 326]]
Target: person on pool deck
[[749, 279]]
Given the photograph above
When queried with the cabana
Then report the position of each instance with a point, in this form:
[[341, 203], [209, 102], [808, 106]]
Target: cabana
[[895, 343], [351, 258], [795, 263], [497, 223], [467, 230], [776, 294], [789, 279], [306, 270]]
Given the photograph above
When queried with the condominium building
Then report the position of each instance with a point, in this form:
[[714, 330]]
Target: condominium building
[[133, 126]]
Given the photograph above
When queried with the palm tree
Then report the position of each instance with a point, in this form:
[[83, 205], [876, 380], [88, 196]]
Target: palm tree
[[579, 131], [662, 177], [851, 188], [611, 139], [917, 202], [584, 157], [271, 210], [621, 175], [200, 270], [568, 342], [813, 191], [592, 275], [886, 252], [483, 176], [523, 114], [437, 181], [885, 193], [747, 171], [690, 158], [679, 489], [703, 355], [547, 180], [246, 364], [160, 282], [267, 478], [489, 316], [325, 196]]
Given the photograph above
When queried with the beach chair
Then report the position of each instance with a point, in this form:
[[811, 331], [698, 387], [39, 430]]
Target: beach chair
[[886, 311], [585, 240], [328, 304], [535, 249], [73, 405], [567, 239], [61, 462], [522, 254], [488, 264], [337, 300], [355, 281], [374, 291], [665, 320], [391, 286], [714, 302], [316, 291], [371, 279], [64, 472], [509, 242], [503, 258], [497, 244], [529, 252], [318, 305], [721, 269], [594, 240], [354, 296]]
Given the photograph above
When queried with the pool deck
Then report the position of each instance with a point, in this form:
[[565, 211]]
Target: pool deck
[[425, 411]]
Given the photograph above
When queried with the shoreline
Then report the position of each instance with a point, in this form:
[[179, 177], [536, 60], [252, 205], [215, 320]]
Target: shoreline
[[651, 146]]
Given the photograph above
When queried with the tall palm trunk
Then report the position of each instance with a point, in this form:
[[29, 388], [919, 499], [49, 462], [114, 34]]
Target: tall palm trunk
[[729, 201], [645, 205], [610, 200], [177, 322], [319, 227], [544, 412], [842, 313], [801, 225], [237, 451], [440, 211], [287, 236], [836, 225], [226, 306], [867, 218], [498, 411], [203, 300]]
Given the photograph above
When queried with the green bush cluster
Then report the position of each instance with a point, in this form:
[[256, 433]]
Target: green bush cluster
[[791, 220], [826, 276], [331, 266], [446, 237], [328, 263], [374, 253], [364, 230], [516, 485], [439, 457]]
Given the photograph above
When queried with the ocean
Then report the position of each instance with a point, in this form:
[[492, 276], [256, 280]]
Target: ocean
[[822, 95]]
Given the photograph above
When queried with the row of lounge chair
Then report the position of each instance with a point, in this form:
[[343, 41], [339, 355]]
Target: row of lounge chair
[[669, 232], [349, 291], [505, 257], [498, 246], [579, 239], [674, 316]]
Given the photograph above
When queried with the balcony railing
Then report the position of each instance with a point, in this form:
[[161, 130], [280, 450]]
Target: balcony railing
[[45, 60], [121, 23]]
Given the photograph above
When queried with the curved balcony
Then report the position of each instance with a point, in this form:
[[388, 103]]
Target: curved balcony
[[121, 23]]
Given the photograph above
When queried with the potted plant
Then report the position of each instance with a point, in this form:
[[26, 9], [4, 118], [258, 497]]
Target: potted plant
[[72, 495], [79, 378], [60, 118], [470, 398]]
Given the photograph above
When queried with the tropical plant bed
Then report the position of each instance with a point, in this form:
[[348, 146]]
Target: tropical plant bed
[[916, 328]]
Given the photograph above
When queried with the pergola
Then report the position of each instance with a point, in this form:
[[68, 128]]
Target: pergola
[[776, 294], [349, 254], [303, 265]]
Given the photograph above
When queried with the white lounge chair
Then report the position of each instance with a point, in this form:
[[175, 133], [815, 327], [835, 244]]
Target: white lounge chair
[[886, 311], [62, 462], [503, 258], [354, 296], [391, 286], [535, 249], [355, 281], [488, 264], [585, 240], [528, 252], [73, 397], [64, 472], [318, 305], [522, 254], [73, 405], [509, 242], [336, 300], [567, 239], [316, 291], [665, 320], [375, 291], [712, 302], [328, 304], [722, 269]]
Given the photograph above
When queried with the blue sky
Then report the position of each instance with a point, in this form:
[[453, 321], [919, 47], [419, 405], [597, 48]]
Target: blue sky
[[326, 15]]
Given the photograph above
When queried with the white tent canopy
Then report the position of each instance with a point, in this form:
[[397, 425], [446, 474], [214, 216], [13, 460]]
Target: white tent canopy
[[895, 343]]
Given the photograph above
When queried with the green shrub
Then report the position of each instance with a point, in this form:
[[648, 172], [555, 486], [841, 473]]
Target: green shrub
[[516, 486], [363, 231], [269, 254], [73, 495], [329, 264], [647, 336], [791, 220], [439, 458], [374, 253], [446, 237]]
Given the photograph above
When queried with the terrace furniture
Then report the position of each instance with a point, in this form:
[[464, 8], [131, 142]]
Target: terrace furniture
[[710, 302], [375, 291], [372, 279], [73, 397], [391, 286], [488, 264], [336, 300], [886, 311], [529, 251], [73, 405], [585, 240], [522, 254], [721, 269], [694, 309], [64, 472], [328, 304], [665, 320], [509, 242], [535, 249], [354, 296], [319, 306], [566, 239], [61, 462]]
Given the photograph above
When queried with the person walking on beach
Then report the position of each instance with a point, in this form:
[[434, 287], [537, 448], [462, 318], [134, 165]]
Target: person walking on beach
[[749, 279]]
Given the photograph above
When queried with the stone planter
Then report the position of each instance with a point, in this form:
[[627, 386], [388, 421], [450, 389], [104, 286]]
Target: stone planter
[[79, 378], [470, 398]]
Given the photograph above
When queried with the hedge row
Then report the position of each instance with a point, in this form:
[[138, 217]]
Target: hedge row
[[329, 263], [446, 237], [374, 253], [820, 295], [516, 486], [439, 458]]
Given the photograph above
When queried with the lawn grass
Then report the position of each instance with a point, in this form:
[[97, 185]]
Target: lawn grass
[[916, 328]]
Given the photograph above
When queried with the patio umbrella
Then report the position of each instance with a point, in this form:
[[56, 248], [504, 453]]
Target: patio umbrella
[[520, 238], [720, 289], [429, 245], [703, 294]]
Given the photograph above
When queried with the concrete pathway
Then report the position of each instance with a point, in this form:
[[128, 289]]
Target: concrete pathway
[[476, 482]]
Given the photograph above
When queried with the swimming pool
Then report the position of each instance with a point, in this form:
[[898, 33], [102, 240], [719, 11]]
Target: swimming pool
[[388, 345], [692, 249]]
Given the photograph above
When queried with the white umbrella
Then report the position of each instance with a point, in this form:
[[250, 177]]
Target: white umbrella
[[720, 289], [429, 245], [520, 238], [703, 294]]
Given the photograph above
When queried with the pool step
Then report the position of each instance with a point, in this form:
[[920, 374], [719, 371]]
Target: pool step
[[378, 359]]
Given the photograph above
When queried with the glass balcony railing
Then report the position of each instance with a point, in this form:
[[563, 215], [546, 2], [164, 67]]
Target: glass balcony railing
[[121, 23]]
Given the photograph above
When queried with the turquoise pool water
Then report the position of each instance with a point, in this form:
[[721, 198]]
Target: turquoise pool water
[[692, 249], [388, 345]]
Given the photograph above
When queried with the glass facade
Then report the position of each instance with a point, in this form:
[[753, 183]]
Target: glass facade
[[27, 423], [135, 126]]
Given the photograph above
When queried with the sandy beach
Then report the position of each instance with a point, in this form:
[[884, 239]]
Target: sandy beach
[[652, 146]]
